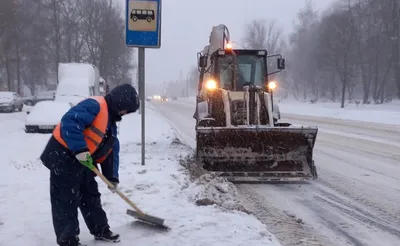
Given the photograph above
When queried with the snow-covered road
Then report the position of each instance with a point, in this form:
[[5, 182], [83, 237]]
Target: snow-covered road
[[162, 188], [354, 202]]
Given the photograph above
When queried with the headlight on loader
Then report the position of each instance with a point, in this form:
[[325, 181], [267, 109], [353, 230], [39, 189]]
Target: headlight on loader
[[211, 85], [272, 85]]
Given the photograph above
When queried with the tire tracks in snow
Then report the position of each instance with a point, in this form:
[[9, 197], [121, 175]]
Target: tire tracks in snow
[[388, 162], [354, 202], [329, 218], [288, 229], [374, 130], [346, 205], [358, 213], [381, 200]]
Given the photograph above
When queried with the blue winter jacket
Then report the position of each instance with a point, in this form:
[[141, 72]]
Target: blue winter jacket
[[76, 120]]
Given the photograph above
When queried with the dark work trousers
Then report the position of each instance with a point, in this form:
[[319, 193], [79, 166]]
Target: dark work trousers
[[72, 185]]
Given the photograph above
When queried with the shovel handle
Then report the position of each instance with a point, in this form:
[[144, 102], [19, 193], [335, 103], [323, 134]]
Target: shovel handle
[[125, 198]]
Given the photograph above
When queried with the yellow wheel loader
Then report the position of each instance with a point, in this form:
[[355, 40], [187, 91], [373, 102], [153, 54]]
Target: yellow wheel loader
[[238, 135]]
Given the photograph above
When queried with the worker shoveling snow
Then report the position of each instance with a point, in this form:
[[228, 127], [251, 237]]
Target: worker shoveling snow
[[162, 187]]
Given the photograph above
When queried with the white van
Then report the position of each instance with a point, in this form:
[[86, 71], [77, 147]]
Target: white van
[[77, 81]]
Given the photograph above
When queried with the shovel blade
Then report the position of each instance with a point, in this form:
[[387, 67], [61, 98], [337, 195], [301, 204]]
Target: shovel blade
[[148, 219]]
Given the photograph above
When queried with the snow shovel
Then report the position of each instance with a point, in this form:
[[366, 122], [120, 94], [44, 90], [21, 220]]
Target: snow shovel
[[138, 214]]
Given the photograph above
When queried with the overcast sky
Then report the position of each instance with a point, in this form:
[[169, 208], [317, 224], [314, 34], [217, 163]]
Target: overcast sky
[[186, 26]]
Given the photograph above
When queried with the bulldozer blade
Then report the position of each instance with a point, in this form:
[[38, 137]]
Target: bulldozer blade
[[257, 154]]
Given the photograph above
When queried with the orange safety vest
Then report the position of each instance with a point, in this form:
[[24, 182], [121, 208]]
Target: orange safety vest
[[95, 133]]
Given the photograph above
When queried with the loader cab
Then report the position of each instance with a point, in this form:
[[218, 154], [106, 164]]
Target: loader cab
[[238, 68], [234, 69]]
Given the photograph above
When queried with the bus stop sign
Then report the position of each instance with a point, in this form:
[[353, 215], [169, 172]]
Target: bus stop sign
[[143, 30], [143, 23]]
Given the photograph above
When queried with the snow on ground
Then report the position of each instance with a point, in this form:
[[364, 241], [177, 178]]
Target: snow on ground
[[388, 113], [161, 188], [208, 190], [353, 202]]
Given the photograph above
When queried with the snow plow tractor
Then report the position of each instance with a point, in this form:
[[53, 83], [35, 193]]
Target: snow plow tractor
[[238, 135]]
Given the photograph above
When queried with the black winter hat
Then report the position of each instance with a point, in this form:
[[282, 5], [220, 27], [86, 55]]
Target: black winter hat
[[123, 97]]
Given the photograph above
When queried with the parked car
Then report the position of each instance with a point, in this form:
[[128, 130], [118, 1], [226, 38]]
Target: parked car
[[45, 115], [174, 98], [41, 96], [10, 101]]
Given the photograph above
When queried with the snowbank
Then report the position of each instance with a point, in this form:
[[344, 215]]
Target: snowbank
[[388, 113], [208, 189], [161, 188]]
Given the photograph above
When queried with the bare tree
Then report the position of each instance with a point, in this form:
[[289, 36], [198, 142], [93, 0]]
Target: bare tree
[[194, 76], [392, 14], [302, 56], [48, 32], [73, 41], [263, 34], [338, 36], [7, 33], [354, 46], [104, 40]]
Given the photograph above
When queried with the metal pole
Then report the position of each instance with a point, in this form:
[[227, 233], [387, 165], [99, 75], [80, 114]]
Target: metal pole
[[187, 86], [138, 74], [141, 78]]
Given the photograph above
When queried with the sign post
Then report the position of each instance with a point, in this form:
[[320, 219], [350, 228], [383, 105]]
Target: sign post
[[143, 30]]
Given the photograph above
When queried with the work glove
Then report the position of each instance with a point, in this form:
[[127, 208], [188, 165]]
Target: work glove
[[85, 159], [115, 186]]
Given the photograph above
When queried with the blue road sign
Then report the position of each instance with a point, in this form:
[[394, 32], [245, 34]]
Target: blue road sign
[[143, 23]]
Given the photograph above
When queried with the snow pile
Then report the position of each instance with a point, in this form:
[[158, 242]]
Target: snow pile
[[211, 190], [160, 188], [207, 189]]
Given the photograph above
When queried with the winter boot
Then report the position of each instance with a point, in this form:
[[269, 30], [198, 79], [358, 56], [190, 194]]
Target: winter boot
[[71, 242], [68, 244], [108, 236], [79, 244]]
